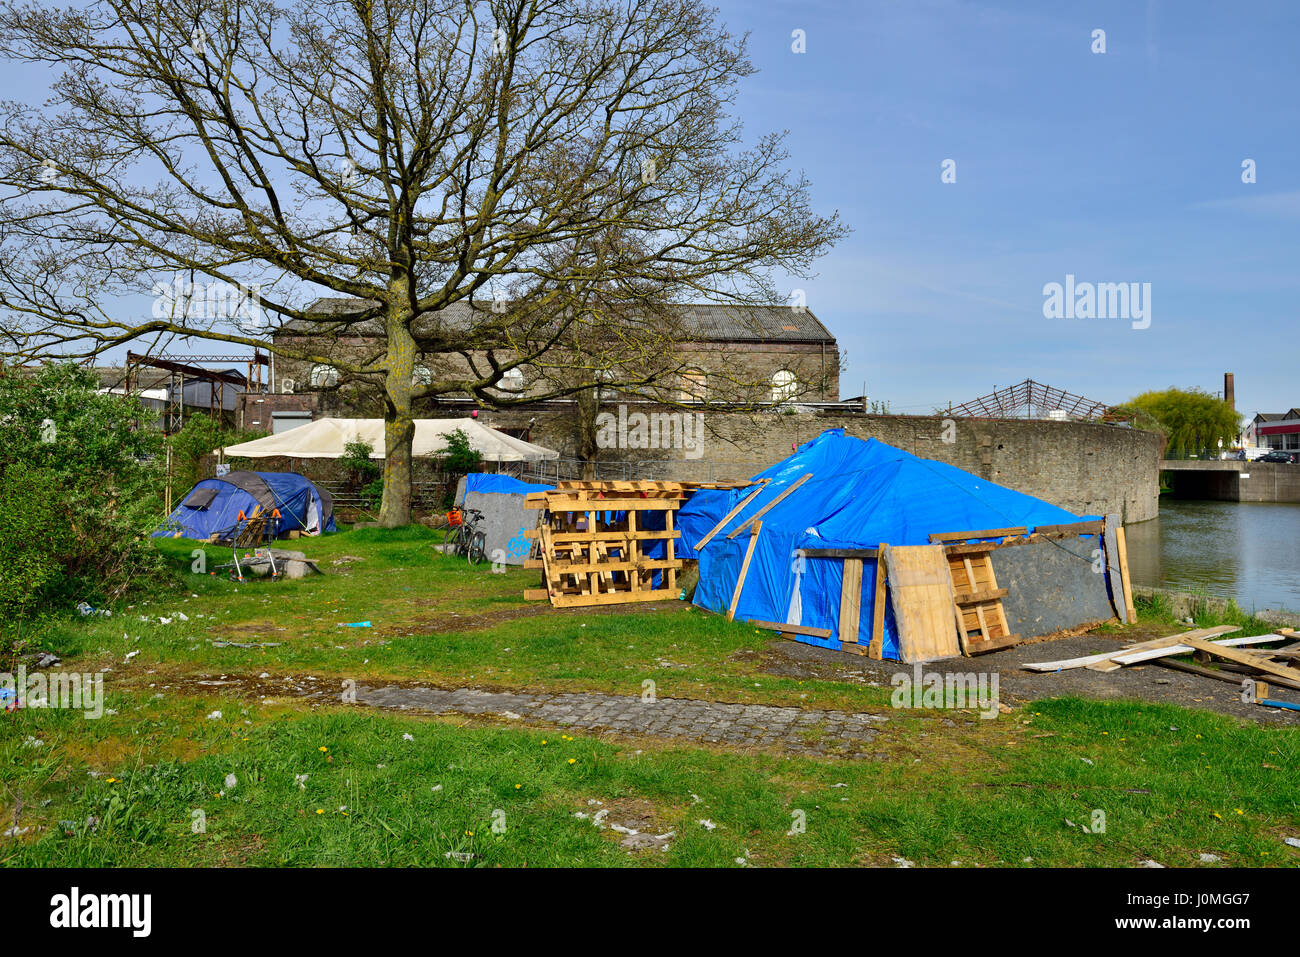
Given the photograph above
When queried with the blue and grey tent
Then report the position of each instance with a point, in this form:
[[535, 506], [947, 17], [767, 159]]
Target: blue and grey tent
[[214, 505], [861, 493]]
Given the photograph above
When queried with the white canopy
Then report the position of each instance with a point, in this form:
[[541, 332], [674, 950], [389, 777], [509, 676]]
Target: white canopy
[[325, 438]]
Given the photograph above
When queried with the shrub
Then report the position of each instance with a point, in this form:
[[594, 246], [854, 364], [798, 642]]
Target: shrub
[[79, 491]]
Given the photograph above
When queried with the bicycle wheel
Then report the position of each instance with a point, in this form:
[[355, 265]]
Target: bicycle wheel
[[477, 548], [454, 542]]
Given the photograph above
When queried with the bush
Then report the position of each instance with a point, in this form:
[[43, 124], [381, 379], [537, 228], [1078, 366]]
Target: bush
[[456, 458], [79, 491], [365, 476]]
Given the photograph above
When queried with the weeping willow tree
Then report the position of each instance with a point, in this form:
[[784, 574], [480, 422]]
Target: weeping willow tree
[[1191, 419], [407, 155]]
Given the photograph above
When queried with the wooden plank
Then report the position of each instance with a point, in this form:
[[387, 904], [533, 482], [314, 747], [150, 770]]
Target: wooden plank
[[875, 649], [792, 629], [612, 598], [744, 570], [1122, 551], [938, 537], [850, 600], [772, 504], [1110, 550], [536, 594], [1073, 528], [615, 504], [977, 597], [920, 587], [1231, 679], [1256, 661], [740, 506], [612, 536], [584, 566], [1157, 644], [840, 553]]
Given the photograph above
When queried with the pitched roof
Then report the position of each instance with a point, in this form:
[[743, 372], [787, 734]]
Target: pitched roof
[[706, 322]]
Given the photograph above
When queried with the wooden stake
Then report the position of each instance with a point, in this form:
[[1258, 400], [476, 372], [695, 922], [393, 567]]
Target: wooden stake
[[1122, 548], [744, 570], [740, 507], [875, 649], [850, 600]]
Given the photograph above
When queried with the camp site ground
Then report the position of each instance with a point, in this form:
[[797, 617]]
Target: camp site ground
[[404, 707]]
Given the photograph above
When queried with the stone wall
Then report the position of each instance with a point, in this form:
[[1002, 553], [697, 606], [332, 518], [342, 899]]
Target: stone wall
[[1088, 469]]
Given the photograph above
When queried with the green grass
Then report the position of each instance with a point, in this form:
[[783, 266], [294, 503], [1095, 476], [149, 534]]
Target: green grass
[[941, 787]]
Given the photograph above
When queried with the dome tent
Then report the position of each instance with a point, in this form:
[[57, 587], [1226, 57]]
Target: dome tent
[[214, 505]]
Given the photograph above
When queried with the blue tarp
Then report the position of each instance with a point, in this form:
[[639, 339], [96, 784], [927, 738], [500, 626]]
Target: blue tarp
[[213, 505], [862, 493], [484, 482]]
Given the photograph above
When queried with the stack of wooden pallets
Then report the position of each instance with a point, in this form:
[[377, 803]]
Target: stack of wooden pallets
[[592, 538]]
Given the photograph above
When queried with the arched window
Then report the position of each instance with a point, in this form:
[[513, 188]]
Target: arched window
[[323, 376], [785, 386], [512, 380], [421, 376], [695, 386]]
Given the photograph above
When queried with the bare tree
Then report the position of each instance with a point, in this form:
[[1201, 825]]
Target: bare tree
[[409, 154]]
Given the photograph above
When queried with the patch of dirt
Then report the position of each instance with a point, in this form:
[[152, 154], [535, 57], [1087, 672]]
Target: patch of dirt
[[454, 621], [634, 823], [1145, 682]]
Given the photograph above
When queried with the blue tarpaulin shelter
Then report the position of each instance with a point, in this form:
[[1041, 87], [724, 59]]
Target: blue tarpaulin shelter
[[504, 484], [213, 506], [861, 493]]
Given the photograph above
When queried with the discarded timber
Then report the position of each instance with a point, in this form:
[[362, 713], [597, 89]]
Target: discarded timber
[[1122, 552], [792, 629], [1256, 661], [875, 649], [1065, 664], [869, 553], [1160, 645], [592, 546], [772, 504], [939, 538], [850, 601], [1231, 678], [977, 604], [740, 507], [920, 586], [744, 570]]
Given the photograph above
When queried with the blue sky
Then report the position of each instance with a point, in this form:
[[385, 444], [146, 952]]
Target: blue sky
[[1117, 167]]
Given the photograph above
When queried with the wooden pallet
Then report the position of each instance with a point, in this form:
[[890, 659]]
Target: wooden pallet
[[981, 620], [590, 536]]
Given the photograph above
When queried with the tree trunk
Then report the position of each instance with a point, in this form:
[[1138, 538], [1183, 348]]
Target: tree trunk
[[399, 425], [588, 408]]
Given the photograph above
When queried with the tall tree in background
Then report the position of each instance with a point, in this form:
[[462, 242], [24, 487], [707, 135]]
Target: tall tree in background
[[408, 154], [1191, 419]]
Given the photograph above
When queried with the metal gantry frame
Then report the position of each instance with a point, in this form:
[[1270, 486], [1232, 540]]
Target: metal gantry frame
[[1031, 400], [182, 367]]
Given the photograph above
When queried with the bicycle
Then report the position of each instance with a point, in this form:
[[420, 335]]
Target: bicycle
[[465, 540]]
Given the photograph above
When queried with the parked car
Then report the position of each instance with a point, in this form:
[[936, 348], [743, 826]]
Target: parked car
[[1290, 457]]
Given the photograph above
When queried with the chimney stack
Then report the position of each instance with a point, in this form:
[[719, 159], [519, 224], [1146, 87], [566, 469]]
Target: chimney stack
[[1229, 390]]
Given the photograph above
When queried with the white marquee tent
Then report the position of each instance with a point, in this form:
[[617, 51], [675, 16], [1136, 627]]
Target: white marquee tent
[[325, 438]]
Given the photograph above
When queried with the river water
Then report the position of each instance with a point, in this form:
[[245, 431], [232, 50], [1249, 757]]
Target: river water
[[1244, 550]]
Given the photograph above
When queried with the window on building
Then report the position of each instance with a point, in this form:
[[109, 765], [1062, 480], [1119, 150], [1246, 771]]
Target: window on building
[[695, 386], [785, 385], [323, 376], [512, 380]]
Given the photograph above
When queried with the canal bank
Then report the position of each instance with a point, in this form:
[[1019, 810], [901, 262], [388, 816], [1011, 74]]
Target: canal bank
[[1243, 551]]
